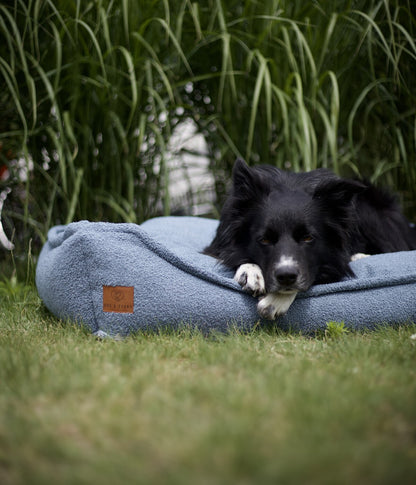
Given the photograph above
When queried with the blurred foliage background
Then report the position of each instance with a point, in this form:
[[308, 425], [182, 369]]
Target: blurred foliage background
[[91, 93]]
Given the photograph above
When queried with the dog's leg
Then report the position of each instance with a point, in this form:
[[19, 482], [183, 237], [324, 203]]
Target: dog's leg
[[274, 304], [357, 256], [250, 277]]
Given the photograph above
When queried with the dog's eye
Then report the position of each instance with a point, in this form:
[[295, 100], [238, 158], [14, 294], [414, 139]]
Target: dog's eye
[[265, 241], [307, 238]]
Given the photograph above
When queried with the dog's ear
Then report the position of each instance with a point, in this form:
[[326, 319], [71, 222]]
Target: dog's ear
[[335, 200], [338, 192], [246, 181], [242, 173]]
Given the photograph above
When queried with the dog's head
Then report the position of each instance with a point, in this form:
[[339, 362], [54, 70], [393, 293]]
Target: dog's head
[[295, 227]]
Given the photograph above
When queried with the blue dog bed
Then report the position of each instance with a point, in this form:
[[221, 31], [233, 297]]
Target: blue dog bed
[[120, 278]]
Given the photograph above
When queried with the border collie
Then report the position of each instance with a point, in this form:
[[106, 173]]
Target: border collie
[[283, 232]]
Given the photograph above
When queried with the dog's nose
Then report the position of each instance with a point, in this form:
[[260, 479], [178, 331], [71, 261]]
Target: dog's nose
[[286, 276]]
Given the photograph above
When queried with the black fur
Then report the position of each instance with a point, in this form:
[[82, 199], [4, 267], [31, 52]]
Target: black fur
[[316, 218]]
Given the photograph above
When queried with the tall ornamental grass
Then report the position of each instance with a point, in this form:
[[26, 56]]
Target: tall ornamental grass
[[92, 91]]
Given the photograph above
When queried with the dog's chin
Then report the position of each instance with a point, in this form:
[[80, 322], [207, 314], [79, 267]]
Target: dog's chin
[[278, 300], [288, 290]]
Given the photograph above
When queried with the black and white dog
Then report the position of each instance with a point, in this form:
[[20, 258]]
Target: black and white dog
[[283, 232]]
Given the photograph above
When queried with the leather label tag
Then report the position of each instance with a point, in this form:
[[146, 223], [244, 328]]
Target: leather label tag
[[118, 299]]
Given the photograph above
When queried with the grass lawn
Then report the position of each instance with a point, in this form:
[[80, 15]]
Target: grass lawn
[[179, 408]]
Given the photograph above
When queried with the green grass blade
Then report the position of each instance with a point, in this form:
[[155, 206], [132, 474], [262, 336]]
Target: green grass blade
[[11, 83], [261, 74], [73, 202], [96, 45]]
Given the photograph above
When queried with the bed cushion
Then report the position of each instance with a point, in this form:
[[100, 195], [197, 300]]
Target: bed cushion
[[120, 278]]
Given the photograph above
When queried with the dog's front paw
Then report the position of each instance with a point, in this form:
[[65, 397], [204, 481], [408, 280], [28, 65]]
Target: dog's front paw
[[357, 256], [274, 304], [250, 277]]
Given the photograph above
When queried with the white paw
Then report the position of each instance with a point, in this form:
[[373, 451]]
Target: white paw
[[274, 304], [250, 278], [357, 256]]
